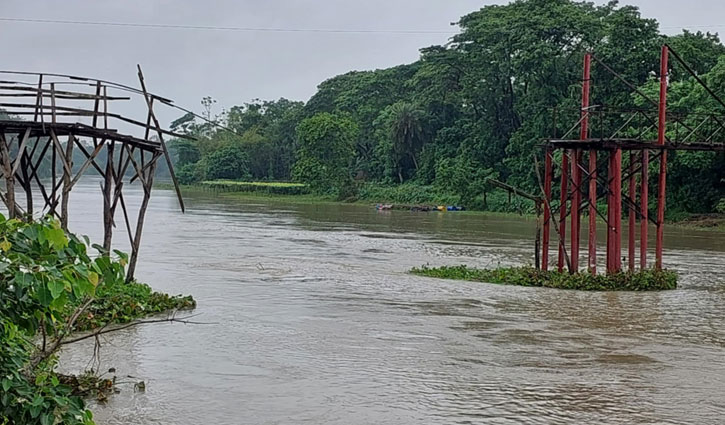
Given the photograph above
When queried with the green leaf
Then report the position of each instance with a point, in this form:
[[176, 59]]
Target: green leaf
[[56, 287], [7, 384], [57, 238], [59, 302], [47, 419], [44, 296]]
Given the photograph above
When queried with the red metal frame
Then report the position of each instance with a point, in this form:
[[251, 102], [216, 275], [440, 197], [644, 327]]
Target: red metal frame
[[562, 209], [547, 211], [661, 134], [608, 183]]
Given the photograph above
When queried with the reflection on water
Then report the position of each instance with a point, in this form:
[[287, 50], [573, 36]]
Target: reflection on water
[[316, 322]]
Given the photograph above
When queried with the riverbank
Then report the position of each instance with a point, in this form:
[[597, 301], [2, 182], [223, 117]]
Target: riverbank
[[648, 280], [52, 288], [407, 196]]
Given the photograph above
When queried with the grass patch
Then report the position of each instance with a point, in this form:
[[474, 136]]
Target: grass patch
[[648, 280], [272, 188]]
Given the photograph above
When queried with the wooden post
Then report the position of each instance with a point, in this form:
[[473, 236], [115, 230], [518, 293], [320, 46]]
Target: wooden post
[[27, 187], [67, 175], [135, 246], [107, 191], [9, 176]]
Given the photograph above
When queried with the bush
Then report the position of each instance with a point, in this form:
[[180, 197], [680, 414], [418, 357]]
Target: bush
[[272, 188], [229, 162], [720, 208], [647, 280], [190, 173]]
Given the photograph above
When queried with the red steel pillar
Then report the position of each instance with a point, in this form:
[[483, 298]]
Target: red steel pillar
[[563, 208], [547, 211], [617, 195], [614, 213], [593, 211], [576, 197], [576, 174], [644, 210], [610, 206], [661, 131], [632, 212]]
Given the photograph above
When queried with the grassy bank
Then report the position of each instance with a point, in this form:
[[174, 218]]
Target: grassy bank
[[406, 195], [369, 193], [649, 280], [51, 287]]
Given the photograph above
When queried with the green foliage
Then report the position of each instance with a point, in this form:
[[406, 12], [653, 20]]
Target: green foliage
[[45, 275], [191, 173], [276, 188], [648, 280], [42, 272], [123, 303], [229, 162], [477, 106], [326, 150], [720, 208], [408, 194]]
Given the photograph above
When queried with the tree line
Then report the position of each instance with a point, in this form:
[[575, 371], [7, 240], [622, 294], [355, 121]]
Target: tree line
[[474, 108]]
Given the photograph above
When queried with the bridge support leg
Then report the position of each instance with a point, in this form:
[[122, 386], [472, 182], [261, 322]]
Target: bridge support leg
[[614, 209], [575, 208], [593, 211], [547, 211], [644, 210], [661, 135], [563, 209], [107, 202]]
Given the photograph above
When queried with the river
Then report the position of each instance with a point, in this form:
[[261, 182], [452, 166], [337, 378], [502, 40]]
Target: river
[[312, 319]]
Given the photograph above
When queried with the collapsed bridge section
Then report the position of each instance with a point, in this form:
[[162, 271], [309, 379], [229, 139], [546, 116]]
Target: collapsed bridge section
[[47, 120]]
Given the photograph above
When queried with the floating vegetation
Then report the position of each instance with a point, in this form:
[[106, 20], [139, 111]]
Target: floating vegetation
[[647, 280]]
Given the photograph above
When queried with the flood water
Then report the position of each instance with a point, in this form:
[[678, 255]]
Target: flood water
[[313, 320]]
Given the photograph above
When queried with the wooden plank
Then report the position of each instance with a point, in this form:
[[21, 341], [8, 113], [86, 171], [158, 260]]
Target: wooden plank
[[60, 94]]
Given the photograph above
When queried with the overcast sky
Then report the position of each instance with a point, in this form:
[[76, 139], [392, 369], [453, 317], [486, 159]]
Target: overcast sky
[[237, 66]]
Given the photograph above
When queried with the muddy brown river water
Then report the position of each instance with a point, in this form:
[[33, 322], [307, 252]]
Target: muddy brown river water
[[315, 321]]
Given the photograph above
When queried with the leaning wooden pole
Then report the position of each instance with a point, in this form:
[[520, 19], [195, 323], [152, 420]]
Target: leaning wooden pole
[[67, 176], [147, 182], [9, 176], [107, 193]]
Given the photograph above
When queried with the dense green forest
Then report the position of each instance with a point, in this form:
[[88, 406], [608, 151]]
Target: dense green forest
[[473, 108]]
